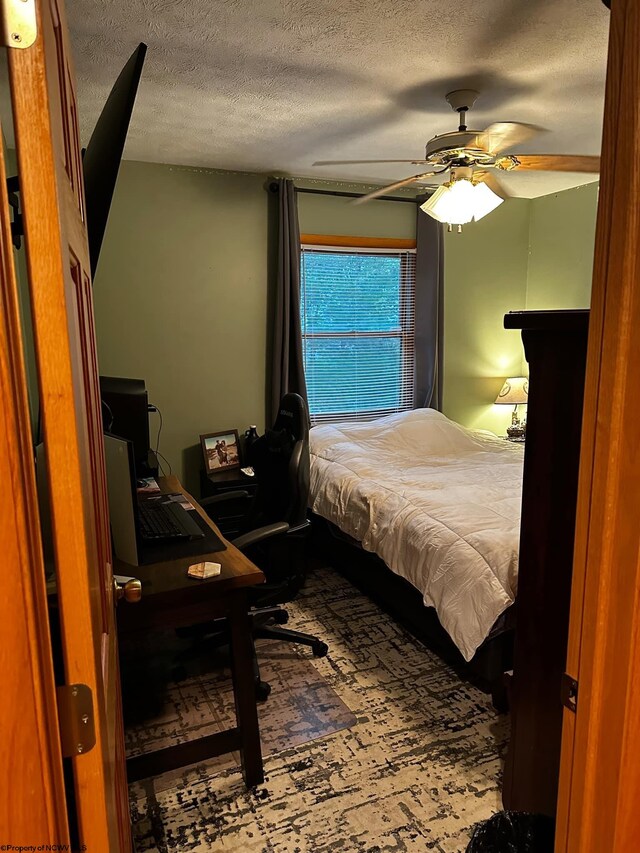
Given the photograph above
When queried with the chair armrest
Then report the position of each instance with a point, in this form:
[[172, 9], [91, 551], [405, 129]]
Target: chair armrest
[[223, 497], [260, 534]]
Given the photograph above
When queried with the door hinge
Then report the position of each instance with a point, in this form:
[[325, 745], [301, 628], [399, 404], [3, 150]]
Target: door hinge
[[569, 692], [19, 27], [75, 715]]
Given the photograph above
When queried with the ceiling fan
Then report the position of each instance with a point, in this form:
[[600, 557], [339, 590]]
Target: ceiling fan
[[472, 190]]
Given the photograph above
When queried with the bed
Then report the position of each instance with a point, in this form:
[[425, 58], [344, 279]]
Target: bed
[[437, 503]]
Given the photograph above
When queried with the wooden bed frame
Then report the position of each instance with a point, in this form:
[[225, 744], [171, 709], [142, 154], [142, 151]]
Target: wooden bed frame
[[404, 603]]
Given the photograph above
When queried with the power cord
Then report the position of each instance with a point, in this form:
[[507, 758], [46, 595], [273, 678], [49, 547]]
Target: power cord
[[159, 455], [167, 461], [106, 421]]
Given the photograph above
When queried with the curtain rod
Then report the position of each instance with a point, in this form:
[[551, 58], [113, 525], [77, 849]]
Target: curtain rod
[[273, 188]]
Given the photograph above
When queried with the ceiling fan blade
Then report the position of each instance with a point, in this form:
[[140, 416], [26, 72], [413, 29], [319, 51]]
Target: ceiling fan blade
[[391, 187], [493, 183], [355, 162], [505, 134], [552, 163]]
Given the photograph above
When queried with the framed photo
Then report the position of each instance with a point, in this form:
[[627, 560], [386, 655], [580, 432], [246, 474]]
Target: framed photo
[[221, 451]]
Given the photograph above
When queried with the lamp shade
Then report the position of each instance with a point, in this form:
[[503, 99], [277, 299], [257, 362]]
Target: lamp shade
[[515, 391], [461, 201]]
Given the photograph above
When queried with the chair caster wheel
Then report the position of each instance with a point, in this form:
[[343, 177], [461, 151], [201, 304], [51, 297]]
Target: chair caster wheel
[[281, 618], [262, 691], [319, 649]]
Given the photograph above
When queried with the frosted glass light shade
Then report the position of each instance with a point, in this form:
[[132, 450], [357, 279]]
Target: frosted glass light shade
[[485, 201], [514, 392], [461, 202]]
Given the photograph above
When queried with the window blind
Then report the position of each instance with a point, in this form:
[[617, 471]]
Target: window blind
[[357, 318]]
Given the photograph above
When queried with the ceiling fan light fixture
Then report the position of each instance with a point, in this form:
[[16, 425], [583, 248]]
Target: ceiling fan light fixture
[[485, 200], [461, 202], [454, 204]]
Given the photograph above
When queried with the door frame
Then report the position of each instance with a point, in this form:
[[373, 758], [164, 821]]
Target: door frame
[[600, 775], [600, 772]]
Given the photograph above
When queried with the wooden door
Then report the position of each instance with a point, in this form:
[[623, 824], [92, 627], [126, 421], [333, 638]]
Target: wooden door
[[45, 117], [599, 797], [30, 761]]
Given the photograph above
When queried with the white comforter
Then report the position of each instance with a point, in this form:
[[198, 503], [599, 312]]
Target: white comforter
[[440, 504]]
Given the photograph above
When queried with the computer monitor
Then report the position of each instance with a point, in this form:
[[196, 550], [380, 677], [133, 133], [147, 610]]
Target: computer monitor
[[132, 543], [125, 413], [121, 493]]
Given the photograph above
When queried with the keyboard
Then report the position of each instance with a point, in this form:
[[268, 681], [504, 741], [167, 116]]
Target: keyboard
[[166, 520]]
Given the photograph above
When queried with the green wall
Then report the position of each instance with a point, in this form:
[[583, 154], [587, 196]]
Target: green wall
[[321, 214], [561, 241], [485, 277], [181, 291], [181, 298]]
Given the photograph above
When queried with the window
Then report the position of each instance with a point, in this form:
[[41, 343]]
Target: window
[[357, 316]]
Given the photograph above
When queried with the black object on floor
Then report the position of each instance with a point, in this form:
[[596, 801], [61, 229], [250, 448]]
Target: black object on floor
[[513, 832]]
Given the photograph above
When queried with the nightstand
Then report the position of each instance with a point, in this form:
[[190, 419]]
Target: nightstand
[[229, 515]]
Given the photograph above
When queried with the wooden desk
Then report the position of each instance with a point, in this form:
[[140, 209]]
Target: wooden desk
[[171, 599]]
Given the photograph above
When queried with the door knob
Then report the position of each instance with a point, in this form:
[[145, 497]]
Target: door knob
[[128, 588]]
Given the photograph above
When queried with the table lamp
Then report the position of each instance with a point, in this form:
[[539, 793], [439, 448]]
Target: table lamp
[[515, 392]]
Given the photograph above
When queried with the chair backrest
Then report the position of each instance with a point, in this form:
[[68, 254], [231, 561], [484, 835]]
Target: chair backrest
[[281, 461]]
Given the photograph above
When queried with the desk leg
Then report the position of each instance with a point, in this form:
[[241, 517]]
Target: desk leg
[[244, 691]]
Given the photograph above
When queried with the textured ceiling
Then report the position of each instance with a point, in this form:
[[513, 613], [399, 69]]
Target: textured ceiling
[[272, 85]]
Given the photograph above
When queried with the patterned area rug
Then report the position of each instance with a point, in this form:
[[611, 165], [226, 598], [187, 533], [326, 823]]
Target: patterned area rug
[[161, 711], [418, 770]]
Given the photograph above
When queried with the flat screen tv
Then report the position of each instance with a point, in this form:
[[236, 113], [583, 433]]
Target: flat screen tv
[[101, 161]]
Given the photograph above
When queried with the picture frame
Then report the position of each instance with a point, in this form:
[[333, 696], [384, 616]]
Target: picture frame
[[220, 451]]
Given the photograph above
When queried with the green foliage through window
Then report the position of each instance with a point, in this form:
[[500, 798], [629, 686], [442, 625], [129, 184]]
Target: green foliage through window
[[357, 329]]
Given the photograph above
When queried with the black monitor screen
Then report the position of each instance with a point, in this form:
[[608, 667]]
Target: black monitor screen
[[101, 160], [125, 413]]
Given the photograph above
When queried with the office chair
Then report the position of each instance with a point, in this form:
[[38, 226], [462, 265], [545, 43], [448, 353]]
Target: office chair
[[276, 526]]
